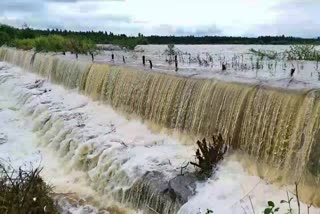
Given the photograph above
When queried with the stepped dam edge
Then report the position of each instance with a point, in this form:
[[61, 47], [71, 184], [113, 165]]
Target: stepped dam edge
[[275, 128]]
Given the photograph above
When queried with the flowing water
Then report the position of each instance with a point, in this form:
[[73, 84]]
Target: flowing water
[[275, 129]]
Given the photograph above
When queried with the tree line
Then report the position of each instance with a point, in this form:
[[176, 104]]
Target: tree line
[[27, 37], [80, 40]]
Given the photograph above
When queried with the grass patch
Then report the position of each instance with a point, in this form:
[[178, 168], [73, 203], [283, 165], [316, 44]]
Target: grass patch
[[23, 191]]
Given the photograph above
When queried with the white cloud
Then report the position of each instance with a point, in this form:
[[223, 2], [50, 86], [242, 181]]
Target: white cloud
[[167, 17]]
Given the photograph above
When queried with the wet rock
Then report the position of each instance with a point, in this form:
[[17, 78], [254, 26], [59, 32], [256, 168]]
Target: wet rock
[[155, 192], [103, 212], [36, 84], [70, 203], [182, 187], [157, 180], [3, 138], [88, 210], [178, 189]]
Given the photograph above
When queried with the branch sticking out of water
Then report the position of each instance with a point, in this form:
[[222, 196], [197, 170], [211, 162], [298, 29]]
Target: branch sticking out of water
[[209, 154]]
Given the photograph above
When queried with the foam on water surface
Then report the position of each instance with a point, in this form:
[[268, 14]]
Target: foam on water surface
[[90, 149]]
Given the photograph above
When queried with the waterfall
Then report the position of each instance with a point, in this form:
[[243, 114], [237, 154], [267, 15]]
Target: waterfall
[[94, 146], [278, 128]]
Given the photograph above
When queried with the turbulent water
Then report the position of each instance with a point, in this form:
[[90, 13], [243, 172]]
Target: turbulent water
[[278, 129]]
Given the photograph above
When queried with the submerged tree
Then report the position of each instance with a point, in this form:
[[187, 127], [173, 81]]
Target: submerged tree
[[170, 52], [302, 52], [77, 47], [208, 155]]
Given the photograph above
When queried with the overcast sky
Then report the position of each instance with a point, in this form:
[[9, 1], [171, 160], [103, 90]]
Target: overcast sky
[[167, 17]]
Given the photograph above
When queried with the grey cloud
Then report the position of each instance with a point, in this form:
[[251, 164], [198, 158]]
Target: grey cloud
[[20, 6], [297, 29], [296, 4], [41, 14], [75, 1], [294, 18]]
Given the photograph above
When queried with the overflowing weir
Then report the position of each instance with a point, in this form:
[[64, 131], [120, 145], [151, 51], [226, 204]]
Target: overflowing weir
[[275, 127]]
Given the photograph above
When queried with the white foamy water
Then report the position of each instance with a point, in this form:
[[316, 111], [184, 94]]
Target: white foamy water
[[89, 149]]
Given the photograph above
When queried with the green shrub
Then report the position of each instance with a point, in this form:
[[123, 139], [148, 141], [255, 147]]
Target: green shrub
[[265, 54], [42, 44], [24, 44], [56, 43], [24, 191], [303, 52]]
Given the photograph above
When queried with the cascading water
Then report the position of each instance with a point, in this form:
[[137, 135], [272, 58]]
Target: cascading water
[[119, 164], [276, 127]]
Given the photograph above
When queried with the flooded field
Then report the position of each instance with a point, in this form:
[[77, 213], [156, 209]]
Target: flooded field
[[205, 61]]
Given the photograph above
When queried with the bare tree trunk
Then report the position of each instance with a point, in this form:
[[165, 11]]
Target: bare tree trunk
[[92, 56], [224, 67], [144, 60], [176, 62]]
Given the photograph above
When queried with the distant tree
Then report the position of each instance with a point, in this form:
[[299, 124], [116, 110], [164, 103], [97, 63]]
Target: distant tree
[[27, 34], [4, 38], [12, 32], [130, 42]]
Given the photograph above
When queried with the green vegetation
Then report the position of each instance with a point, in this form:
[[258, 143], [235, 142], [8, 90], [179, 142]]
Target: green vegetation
[[55, 43], [130, 42], [24, 44], [295, 52], [264, 54], [4, 38], [303, 52], [40, 41], [24, 191], [171, 52], [271, 209], [80, 42], [261, 40]]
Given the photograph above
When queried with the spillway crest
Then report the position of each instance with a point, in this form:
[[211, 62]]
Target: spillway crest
[[274, 126]]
